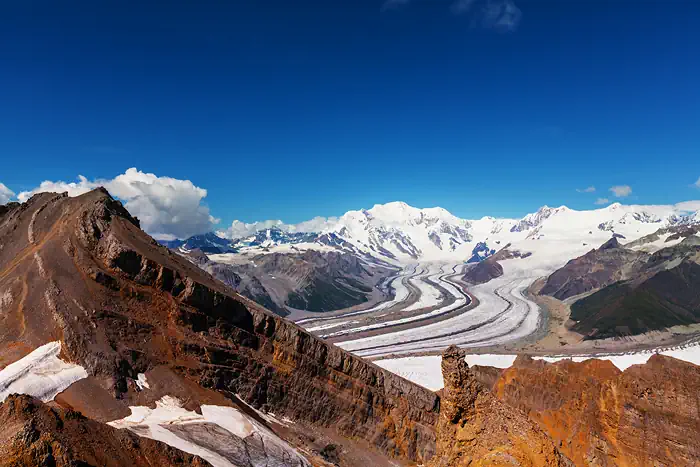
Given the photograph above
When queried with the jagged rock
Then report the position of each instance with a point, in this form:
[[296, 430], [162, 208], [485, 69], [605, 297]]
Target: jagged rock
[[477, 429]]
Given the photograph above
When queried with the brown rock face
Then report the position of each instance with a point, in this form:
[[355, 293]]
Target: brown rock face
[[80, 270], [34, 434], [648, 415], [597, 268], [477, 429]]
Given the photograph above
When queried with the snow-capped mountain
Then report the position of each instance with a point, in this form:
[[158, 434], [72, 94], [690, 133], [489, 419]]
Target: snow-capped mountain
[[274, 236], [535, 219], [398, 233]]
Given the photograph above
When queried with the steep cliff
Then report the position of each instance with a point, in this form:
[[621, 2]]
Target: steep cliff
[[477, 429]]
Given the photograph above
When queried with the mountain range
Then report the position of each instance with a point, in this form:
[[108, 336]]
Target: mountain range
[[394, 235], [115, 350], [398, 233]]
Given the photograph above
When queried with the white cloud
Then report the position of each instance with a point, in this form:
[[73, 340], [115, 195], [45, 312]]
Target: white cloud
[[590, 189], [240, 229], [697, 184], [167, 207], [73, 188], [621, 191], [688, 206], [602, 201], [5, 194], [317, 224]]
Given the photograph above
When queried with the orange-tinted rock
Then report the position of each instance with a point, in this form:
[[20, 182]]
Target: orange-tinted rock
[[646, 415], [477, 429]]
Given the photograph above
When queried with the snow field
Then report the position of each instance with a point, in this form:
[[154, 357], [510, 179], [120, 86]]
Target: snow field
[[40, 374]]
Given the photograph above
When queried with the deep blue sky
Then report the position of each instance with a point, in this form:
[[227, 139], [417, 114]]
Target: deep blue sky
[[291, 109]]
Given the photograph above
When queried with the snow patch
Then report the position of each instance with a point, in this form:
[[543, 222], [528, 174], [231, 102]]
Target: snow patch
[[494, 360], [141, 382], [688, 353], [153, 423], [40, 374], [424, 371]]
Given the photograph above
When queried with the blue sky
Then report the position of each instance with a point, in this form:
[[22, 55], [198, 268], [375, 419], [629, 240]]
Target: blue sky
[[291, 109]]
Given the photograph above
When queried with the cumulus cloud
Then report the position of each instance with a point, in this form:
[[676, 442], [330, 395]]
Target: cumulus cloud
[[600, 201], [167, 207], [83, 185], [621, 191], [240, 229], [590, 189], [688, 206], [5, 194]]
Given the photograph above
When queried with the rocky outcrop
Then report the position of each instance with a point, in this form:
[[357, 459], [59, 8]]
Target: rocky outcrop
[[34, 434], [483, 272], [490, 268], [477, 429], [599, 416]]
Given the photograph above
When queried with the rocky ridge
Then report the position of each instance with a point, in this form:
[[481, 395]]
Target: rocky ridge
[[80, 270]]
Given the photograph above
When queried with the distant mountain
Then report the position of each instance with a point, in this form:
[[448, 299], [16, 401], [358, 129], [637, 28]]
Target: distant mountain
[[208, 243], [649, 283], [598, 268], [309, 280], [399, 233], [664, 292], [274, 236]]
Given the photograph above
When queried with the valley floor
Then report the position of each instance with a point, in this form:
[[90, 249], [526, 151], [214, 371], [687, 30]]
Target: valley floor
[[433, 308]]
